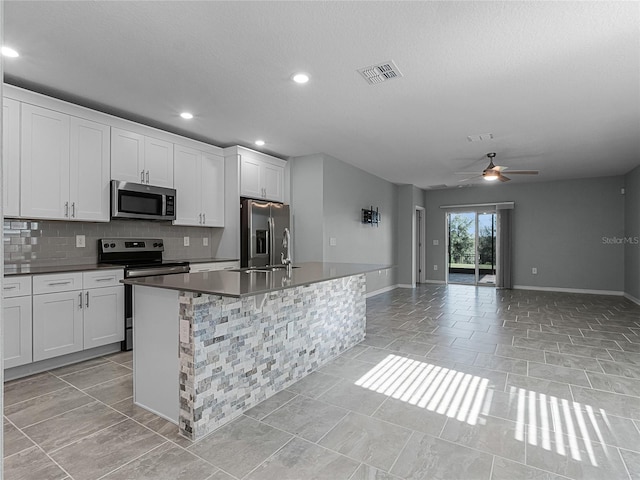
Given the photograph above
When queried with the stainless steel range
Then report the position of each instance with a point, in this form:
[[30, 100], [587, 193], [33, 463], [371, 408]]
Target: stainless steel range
[[140, 257]]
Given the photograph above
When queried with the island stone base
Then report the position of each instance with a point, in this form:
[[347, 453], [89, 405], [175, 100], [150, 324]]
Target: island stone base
[[237, 352]]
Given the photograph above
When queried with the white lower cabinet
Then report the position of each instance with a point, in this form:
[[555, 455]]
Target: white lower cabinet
[[68, 318], [57, 324], [103, 316], [17, 331], [17, 321]]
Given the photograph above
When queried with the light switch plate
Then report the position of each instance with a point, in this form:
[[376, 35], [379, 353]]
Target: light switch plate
[[332, 241], [80, 241], [436, 242], [205, 241], [186, 241]]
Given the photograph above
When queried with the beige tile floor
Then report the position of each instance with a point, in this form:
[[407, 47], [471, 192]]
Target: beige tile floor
[[452, 382]]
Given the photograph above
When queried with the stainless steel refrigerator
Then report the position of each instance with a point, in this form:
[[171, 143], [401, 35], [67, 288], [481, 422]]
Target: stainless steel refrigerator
[[262, 231]]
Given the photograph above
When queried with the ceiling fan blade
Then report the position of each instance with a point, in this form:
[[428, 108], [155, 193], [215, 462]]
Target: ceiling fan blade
[[470, 178], [523, 172], [466, 173], [499, 168], [502, 178]]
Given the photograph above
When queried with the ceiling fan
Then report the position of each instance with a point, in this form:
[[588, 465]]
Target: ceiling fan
[[494, 172]]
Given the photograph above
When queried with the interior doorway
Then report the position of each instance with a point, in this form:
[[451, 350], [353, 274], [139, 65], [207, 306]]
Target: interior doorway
[[471, 248]]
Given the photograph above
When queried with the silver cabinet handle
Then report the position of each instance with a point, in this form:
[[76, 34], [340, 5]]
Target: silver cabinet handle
[[204, 218], [105, 279], [200, 218], [142, 176], [66, 209], [73, 210], [87, 304], [7, 287], [147, 176], [51, 284], [80, 305]]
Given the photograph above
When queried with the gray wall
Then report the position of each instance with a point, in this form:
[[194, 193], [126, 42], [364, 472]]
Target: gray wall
[[47, 242], [558, 227], [327, 197], [308, 214], [632, 232]]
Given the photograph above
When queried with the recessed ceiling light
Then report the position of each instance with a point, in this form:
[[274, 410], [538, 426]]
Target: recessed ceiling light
[[301, 78], [9, 52], [186, 115], [259, 143]]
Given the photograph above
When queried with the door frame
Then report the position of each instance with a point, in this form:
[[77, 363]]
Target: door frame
[[419, 246]]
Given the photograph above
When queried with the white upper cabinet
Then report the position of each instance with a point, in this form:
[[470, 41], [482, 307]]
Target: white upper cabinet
[[158, 160], [127, 156], [11, 156], [89, 171], [199, 182], [212, 188], [261, 176], [44, 191], [141, 159], [65, 167]]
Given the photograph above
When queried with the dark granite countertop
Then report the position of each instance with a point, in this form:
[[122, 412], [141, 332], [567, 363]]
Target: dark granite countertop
[[31, 269], [228, 283], [28, 269]]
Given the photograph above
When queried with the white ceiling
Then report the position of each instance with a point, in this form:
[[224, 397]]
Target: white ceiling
[[557, 83]]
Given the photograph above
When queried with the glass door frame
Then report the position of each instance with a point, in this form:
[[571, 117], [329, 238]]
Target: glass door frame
[[476, 214]]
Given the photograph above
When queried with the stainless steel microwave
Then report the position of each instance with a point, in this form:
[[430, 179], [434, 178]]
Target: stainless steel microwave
[[147, 202]]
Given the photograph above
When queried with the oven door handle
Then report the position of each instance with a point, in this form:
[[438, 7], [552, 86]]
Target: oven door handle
[[149, 272]]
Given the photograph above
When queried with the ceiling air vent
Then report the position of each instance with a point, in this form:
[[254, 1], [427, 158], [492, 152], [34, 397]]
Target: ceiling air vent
[[380, 73]]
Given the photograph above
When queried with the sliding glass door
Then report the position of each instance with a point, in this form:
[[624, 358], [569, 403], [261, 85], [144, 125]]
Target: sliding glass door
[[471, 248]]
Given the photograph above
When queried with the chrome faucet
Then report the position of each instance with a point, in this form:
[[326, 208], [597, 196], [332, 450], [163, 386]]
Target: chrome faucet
[[286, 243]]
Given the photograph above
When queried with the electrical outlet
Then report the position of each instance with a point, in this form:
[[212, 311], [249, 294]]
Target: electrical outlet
[[186, 241], [534, 271], [80, 241], [435, 267], [205, 241], [332, 241]]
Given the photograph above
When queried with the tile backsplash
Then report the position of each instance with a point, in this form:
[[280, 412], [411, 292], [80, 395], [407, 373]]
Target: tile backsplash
[[47, 242]]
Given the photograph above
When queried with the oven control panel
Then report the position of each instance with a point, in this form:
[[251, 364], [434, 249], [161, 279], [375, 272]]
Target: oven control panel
[[130, 245]]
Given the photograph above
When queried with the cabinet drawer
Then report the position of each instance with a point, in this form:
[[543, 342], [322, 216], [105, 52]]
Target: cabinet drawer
[[16, 286], [102, 278], [212, 266], [57, 282]]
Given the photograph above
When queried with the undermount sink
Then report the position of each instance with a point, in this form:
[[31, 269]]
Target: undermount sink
[[271, 268]]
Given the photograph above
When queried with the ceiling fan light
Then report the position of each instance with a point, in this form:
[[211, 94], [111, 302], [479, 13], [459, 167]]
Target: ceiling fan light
[[490, 177]]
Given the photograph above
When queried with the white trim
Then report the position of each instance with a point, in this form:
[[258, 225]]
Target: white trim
[[406, 285], [382, 290], [438, 282], [631, 297], [570, 290], [496, 205]]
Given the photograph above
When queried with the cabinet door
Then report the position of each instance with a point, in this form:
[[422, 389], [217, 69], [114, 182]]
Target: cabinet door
[[250, 177], [103, 316], [187, 184], [212, 187], [17, 331], [127, 156], [89, 171], [57, 324], [11, 156], [272, 182], [44, 178], [158, 161]]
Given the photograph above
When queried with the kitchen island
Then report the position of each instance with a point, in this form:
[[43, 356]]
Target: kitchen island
[[209, 346]]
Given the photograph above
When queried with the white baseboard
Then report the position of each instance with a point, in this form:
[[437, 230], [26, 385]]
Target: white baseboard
[[382, 290], [438, 282], [569, 290], [405, 285], [632, 298]]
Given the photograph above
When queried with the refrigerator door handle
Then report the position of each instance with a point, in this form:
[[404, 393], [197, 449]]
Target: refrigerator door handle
[[270, 238]]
